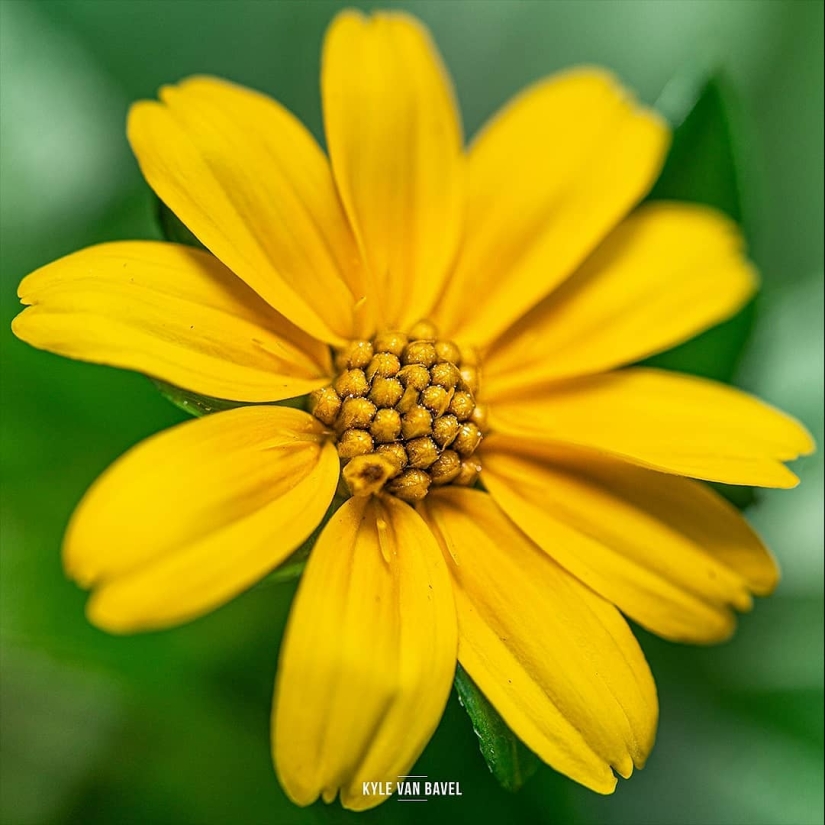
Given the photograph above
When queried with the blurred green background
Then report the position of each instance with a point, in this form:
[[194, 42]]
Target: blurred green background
[[172, 727]]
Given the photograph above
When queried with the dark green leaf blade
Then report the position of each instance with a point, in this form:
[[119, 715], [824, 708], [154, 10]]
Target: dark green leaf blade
[[198, 405], [703, 166], [192, 402], [173, 228], [715, 353], [508, 759]]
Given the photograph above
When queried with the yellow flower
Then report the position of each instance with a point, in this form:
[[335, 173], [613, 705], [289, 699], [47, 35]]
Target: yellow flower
[[427, 297]]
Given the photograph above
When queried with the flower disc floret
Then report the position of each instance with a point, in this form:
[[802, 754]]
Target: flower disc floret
[[403, 412]]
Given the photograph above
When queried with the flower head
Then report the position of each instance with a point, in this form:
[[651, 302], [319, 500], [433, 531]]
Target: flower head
[[457, 319]]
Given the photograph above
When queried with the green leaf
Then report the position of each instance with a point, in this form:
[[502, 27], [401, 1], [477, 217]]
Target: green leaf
[[703, 166], [173, 228], [295, 564], [192, 402], [508, 759], [198, 405], [741, 497]]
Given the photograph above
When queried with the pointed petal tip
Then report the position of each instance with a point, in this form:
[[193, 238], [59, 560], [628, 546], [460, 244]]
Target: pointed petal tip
[[189, 82], [23, 293], [349, 797], [625, 768], [358, 17], [795, 440], [298, 793], [73, 568], [606, 786], [728, 436], [807, 443], [77, 562], [18, 324], [770, 584], [781, 479], [137, 111], [354, 801], [721, 636], [105, 616], [608, 790], [350, 14]]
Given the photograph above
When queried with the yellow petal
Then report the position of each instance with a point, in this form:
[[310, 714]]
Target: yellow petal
[[664, 421], [193, 516], [669, 552], [368, 657], [557, 661], [251, 183], [665, 274], [394, 141], [548, 178], [174, 313]]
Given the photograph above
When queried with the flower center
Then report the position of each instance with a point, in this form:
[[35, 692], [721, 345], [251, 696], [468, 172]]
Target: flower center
[[404, 413]]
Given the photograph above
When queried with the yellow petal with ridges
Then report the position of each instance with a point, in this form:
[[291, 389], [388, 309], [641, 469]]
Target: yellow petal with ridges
[[171, 312], [665, 274], [195, 515], [663, 421], [548, 178], [557, 661], [251, 183], [368, 657], [669, 552], [394, 138]]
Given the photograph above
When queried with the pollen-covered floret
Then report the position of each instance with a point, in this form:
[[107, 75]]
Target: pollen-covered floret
[[404, 413]]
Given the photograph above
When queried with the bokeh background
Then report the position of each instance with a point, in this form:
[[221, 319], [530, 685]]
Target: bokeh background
[[172, 727]]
